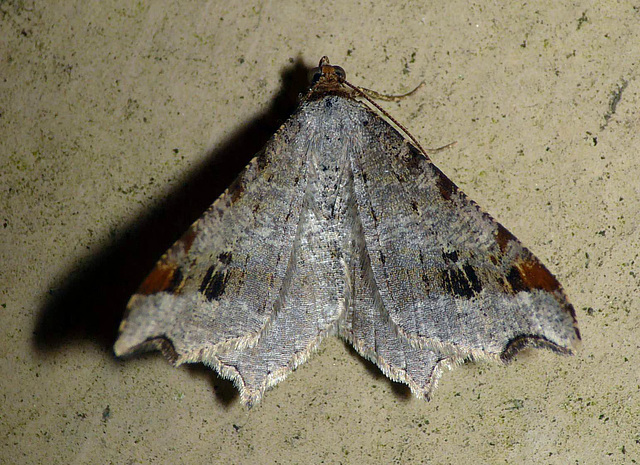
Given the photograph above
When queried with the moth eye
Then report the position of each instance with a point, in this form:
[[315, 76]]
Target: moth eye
[[314, 75], [340, 72]]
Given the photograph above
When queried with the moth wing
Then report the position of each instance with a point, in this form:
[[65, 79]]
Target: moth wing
[[309, 307], [367, 327], [220, 284], [451, 279]]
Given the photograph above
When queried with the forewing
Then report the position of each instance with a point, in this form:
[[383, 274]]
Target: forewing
[[221, 283], [307, 311], [451, 278]]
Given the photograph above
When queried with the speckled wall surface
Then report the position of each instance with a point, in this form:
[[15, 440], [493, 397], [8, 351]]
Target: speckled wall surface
[[120, 122]]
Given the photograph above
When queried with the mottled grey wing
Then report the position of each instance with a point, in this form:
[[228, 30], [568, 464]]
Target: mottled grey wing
[[449, 277], [307, 312], [366, 325], [224, 281], [313, 302], [349, 291]]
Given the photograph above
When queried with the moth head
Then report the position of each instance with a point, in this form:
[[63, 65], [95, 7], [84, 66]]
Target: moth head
[[327, 73]]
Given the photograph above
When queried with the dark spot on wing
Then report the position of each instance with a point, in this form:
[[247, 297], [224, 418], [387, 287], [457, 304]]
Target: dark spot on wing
[[214, 283], [528, 273], [450, 256], [161, 343], [261, 162], [235, 191], [515, 280], [413, 160], [225, 258], [399, 177], [445, 185], [503, 237], [534, 341], [382, 258], [373, 215], [427, 281], [472, 277], [463, 282]]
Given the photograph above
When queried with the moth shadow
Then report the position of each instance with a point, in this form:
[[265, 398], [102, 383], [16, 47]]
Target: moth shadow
[[223, 389], [87, 302], [400, 390]]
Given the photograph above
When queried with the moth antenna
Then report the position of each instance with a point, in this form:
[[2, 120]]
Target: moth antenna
[[391, 98], [365, 93]]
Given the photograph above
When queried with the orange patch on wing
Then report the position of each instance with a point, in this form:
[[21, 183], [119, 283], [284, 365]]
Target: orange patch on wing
[[166, 275], [536, 276], [160, 279]]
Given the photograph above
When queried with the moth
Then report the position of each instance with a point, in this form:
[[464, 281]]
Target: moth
[[341, 225]]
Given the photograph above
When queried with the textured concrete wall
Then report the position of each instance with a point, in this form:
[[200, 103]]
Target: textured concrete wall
[[121, 122]]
